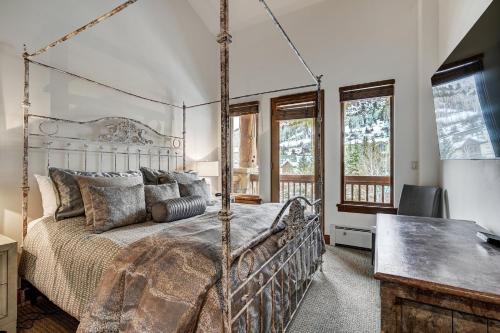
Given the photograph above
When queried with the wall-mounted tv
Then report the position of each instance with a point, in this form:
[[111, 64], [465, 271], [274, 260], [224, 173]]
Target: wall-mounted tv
[[466, 92]]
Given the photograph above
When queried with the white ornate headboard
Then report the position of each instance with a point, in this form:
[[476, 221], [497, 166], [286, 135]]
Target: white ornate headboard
[[104, 144]]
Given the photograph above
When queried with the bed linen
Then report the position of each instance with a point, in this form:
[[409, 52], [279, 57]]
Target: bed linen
[[149, 277], [65, 261]]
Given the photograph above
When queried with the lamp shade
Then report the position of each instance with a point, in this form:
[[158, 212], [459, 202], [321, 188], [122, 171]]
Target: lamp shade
[[208, 169]]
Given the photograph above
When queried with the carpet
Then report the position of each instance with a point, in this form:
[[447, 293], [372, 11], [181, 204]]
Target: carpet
[[344, 298]]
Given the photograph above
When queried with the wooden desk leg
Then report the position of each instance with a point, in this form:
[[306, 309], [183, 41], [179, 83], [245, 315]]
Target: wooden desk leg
[[390, 310]]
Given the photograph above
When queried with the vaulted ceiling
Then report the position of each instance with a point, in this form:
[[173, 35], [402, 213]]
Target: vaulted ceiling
[[245, 13]]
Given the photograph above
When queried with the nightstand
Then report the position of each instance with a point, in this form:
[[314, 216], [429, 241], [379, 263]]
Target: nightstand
[[247, 199], [8, 284]]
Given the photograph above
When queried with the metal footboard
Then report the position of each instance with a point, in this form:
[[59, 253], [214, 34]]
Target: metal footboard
[[267, 298]]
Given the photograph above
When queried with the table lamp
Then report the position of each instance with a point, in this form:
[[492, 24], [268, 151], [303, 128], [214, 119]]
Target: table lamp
[[208, 169]]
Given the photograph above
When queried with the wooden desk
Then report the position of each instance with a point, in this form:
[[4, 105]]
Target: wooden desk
[[436, 276]]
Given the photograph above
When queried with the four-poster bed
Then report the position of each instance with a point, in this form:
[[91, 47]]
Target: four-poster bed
[[284, 277]]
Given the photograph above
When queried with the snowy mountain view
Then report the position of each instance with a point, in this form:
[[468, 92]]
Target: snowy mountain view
[[367, 137], [462, 131], [296, 147]]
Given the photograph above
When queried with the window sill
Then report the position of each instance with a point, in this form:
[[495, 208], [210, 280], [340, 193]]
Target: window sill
[[366, 209]]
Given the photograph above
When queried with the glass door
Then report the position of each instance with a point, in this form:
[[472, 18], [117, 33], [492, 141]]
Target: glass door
[[296, 159], [294, 166]]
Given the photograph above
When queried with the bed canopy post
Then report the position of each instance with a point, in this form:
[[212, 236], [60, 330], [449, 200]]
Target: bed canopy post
[[183, 136], [25, 107], [224, 40], [319, 154]]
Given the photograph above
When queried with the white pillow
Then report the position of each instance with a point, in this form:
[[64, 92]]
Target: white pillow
[[47, 191]]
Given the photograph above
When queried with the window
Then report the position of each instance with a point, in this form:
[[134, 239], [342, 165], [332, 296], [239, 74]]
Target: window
[[367, 148], [244, 127], [293, 142]]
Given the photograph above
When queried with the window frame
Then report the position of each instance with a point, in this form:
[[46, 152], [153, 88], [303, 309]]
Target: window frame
[[364, 91], [243, 109]]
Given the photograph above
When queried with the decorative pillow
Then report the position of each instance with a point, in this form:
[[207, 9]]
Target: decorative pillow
[[155, 177], [151, 175], [178, 209], [85, 182], [197, 187], [180, 177], [117, 206], [47, 191], [157, 193], [69, 199]]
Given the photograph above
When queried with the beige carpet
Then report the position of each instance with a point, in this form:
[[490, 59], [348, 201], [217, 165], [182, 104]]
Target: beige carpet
[[344, 298]]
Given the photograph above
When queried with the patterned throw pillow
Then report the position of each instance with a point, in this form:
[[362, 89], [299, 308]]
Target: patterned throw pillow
[[157, 193], [69, 199], [155, 177], [85, 182], [151, 175], [197, 187], [179, 177], [117, 206], [178, 209]]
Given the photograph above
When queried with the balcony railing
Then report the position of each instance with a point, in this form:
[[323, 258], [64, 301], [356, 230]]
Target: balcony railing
[[290, 186], [254, 184], [296, 185], [368, 189]]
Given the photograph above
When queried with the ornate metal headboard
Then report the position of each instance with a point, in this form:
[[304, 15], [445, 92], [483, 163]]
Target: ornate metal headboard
[[104, 144]]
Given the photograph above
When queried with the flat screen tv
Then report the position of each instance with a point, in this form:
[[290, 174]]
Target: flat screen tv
[[466, 91]]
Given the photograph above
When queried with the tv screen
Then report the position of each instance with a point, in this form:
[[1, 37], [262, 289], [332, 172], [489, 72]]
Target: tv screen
[[466, 92]]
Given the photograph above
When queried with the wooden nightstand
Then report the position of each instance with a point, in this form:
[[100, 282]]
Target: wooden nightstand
[[8, 284], [247, 199]]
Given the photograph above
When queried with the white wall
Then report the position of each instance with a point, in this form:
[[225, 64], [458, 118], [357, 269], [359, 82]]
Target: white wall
[[472, 186], [456, 17], [349, 42], [428, 63], [156, 48]]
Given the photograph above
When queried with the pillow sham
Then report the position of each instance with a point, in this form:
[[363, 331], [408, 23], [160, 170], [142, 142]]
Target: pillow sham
[[178, 209], [117, 206], [151, 175], [69, 199], [157, 193], [197, 187], [155, 176], [84, 183], [48, 194], [180, 177]]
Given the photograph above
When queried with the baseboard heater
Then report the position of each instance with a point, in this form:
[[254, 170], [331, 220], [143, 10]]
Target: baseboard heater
[[357, 237]]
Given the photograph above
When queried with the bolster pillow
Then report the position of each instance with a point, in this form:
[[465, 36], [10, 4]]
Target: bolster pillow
[[179, 208]]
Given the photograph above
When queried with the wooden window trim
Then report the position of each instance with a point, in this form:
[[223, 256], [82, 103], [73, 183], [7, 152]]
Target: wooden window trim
[[366, 209], [367, 90], [362, 91], [276, 102], [241, 109]]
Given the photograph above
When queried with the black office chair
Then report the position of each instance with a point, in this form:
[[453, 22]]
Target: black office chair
[[416, 200], [420, 201]]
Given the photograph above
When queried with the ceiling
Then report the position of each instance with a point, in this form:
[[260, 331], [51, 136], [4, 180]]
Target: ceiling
[[245, 13]]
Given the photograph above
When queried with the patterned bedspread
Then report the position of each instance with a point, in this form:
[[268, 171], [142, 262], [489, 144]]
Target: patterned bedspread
[[65, 261], [154, 277]]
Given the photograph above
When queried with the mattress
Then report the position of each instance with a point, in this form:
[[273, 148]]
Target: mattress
[[65, 261]]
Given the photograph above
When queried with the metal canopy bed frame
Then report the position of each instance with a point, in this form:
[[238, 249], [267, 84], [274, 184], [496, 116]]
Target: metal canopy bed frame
[[297, 237]]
